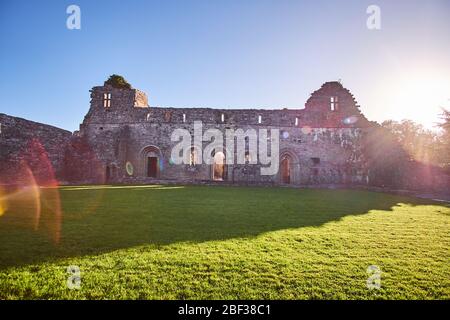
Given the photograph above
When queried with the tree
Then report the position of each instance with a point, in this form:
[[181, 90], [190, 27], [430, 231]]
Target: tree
[[445, 115], [386, 158], [420, 144], [445, 139], [118, 81]]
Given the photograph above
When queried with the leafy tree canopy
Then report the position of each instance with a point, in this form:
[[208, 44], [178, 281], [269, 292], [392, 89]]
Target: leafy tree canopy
[[445, 116], [421, 144], [118, 81]]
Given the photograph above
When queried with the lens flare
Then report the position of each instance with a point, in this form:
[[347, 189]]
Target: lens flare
[[27, 205], [22, 202], [50, 214], [3, 207], [129, 168], [3, 203], [92, 200], [306, 130], [350, 120]]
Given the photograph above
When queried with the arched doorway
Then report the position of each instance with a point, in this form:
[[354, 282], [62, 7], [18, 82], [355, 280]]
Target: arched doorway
[[219, 169], [286, 169], [151, 162], [152, 166]]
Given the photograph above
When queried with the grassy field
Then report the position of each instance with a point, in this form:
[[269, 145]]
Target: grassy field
[[175, 242]]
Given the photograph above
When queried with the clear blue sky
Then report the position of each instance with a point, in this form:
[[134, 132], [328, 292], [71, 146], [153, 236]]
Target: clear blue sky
[[231, 54]]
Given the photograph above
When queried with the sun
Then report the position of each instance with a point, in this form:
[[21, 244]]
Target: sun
[[419, 97]]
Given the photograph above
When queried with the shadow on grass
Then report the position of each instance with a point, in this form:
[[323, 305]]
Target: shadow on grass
[[98, 219]]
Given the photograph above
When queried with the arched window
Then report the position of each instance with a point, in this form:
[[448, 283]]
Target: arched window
[[248, 158], [193, 159], [219, 167]]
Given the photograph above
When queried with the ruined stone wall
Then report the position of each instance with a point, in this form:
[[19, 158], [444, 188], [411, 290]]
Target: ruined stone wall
[[81, 164], [31, 151], [121, 134], [327, 142], [337, 148], [140, 99], [131, 106]]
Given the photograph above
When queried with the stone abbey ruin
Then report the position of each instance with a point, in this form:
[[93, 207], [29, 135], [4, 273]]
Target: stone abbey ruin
[[124, 140]]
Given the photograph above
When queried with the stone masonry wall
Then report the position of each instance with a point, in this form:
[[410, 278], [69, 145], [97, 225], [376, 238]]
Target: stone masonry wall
[[31, 150], [323, 145]]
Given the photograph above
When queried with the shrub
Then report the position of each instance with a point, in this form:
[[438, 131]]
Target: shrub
[[118, 81]]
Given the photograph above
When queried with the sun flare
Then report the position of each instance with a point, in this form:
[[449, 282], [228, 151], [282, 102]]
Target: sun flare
[[419, 97]]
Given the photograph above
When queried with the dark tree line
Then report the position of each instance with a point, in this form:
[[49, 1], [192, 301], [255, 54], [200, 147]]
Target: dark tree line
[[423, 145], [404, 154]]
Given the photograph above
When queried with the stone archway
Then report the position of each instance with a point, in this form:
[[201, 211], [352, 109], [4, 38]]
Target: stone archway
[[219, 167], [288, 172], [285, 169], [151, 160]]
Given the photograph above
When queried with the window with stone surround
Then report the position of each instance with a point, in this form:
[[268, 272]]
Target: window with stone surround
[[259, 119], [248, 158], [334, 103], [193, 160], [107, 100]]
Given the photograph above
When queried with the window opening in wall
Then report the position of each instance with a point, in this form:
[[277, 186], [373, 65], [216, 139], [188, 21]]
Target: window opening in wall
[[219, 168], [334, 103], [107, 100], [248, 158], [193, 157]]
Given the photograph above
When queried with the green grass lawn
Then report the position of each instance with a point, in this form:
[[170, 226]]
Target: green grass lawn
[[175, 242]]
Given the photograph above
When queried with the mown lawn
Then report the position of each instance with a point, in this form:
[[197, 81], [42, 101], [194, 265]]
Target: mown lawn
[[175, 242]]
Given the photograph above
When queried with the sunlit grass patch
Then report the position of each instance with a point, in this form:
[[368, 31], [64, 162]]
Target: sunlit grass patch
[[176, 242]]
